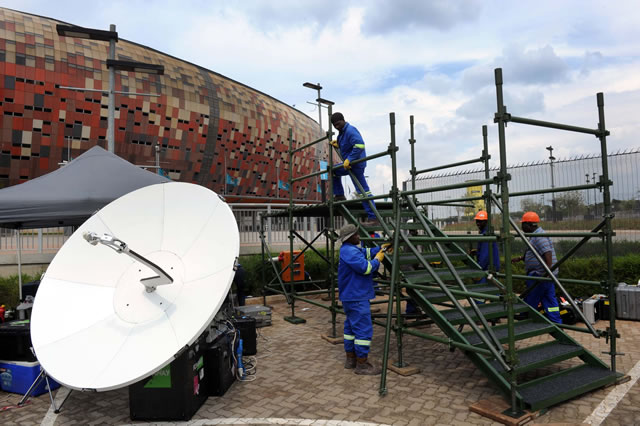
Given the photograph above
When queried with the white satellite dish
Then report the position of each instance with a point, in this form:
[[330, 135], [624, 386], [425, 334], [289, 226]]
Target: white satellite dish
[[134, 285]]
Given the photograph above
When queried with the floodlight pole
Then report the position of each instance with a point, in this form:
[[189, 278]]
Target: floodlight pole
[[587, 191], [111, 146], [553, 194], [595, 200], [318, 87], [112, 37]]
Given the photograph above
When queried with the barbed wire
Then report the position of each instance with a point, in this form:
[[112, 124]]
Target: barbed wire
[[626, 151]]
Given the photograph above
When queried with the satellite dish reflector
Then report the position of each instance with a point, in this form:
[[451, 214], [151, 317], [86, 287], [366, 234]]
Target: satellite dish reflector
[[134, 285]]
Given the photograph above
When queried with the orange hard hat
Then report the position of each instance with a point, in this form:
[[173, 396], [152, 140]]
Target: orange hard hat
[[531, 217], [481, 215]]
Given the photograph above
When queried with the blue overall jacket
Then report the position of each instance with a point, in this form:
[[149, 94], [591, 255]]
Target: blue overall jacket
[[355, 272], [351, 145]]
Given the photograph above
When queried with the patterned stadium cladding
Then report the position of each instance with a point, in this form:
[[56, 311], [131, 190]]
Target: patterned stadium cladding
[[204, 122]]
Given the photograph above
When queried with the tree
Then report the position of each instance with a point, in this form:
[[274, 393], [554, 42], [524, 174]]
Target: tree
[[531, 205], [570, 204]]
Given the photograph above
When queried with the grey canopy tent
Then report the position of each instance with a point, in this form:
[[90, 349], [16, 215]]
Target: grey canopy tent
[[71, 194]]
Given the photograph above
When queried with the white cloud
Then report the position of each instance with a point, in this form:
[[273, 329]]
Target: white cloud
[[591, 60], [555, 57], [384, 17], [534, 66]]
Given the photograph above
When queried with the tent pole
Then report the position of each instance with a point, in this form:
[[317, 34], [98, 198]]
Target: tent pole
[[19, 265]]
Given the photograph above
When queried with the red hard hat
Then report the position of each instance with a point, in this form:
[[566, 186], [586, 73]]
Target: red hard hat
[[531, 217], [481, 215]]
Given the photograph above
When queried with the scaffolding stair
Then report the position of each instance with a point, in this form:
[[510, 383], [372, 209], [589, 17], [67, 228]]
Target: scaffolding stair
[[552, 367]]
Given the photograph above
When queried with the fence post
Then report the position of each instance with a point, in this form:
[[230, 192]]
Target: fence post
[[39, 240]]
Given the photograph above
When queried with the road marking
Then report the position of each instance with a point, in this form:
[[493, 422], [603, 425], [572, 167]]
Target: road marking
[[265, 421], [50, 418], [615, 396]]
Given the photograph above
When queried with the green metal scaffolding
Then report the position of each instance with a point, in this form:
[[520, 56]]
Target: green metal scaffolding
[[445, 271]]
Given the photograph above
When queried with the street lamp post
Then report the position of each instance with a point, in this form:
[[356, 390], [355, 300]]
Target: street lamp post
[[111, 114], [587, 191], [318, 87], [112, 64], [553, 194]]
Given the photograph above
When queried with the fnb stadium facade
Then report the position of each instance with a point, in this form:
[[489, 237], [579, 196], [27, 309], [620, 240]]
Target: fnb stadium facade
[[211, 130]]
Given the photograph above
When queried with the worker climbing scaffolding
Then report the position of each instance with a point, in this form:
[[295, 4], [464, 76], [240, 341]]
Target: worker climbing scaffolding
[[351, 147]]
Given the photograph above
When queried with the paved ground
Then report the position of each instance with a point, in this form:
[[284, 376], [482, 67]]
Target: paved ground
[[300, 380]]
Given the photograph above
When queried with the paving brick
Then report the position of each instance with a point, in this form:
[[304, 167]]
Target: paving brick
[[316, 387]]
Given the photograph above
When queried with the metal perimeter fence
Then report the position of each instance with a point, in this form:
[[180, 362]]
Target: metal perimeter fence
[[49, 240], [575, 210]]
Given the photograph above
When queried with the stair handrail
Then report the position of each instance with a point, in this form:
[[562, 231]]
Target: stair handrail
[[472, 302], [548, 271]]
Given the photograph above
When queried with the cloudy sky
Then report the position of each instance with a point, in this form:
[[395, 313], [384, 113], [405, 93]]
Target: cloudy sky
[[433, 59]]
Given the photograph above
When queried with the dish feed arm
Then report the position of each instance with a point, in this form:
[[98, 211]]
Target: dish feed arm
[[120, 246]]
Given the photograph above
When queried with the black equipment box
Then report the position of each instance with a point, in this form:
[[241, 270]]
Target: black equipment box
[[602, 309], [176, 391], [247, 328], [15, 341], [218, 362]]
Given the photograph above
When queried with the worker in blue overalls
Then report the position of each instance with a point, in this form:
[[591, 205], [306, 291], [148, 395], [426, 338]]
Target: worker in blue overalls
[[351, 146], [545, 292], [482, 250], [355, 287]]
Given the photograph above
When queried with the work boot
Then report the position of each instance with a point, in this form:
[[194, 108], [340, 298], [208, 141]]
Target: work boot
[[339, 198], [371, 223], [364, 367], [350, 361]]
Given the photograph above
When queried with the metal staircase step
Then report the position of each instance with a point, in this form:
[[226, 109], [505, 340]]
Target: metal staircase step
[[542, 355], [522, 330], [488, 310], [410, 258], [566, 384], [389, 213], [423, 277], [437, 296]]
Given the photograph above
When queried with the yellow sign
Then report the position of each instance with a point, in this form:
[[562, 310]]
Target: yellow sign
[[474, 191]]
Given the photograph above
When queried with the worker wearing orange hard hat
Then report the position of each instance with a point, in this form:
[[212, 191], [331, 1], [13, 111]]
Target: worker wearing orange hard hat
[[482, 250], [545, 292]]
